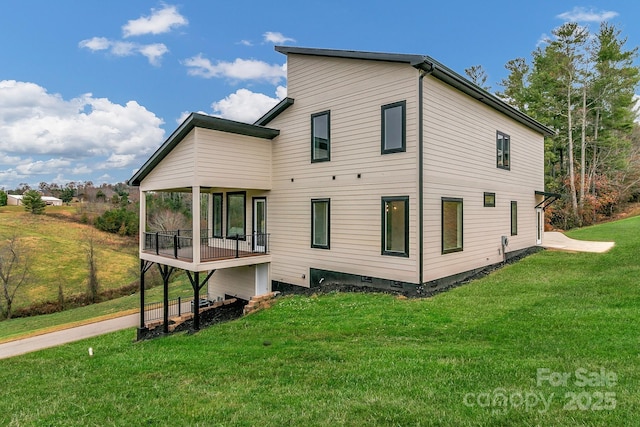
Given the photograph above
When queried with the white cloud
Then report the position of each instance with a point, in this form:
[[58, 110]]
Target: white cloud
[[582, 14], [245, 43], [246, 106], [153, 52], [636, 108], [74, 135], [160, 21], [95, 43], [276, 38], [240, 69]]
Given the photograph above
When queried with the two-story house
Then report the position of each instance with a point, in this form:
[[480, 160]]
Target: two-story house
[[386, 170]]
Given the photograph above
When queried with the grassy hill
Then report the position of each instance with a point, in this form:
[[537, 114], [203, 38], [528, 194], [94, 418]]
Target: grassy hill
[[57, 252], [550, 340]]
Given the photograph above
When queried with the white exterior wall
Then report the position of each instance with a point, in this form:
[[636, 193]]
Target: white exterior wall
[[237, 281], [460, 162], [208, 158], [354, 92]]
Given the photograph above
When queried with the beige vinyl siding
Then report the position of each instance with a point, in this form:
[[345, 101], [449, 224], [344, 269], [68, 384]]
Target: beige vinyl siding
[[354, 91], [231, 160], [176, 170], [209, 158], [236, 281], [460, 161]]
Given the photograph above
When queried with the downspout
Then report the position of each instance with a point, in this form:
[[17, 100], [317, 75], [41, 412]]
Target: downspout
[[423, 72]]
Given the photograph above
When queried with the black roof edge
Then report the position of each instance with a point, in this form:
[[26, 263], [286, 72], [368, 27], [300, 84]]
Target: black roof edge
[[274, 112], [548, 194], [435, 68], [202, 121]]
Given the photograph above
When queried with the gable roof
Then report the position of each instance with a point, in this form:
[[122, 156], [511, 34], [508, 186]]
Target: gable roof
[[202, 121], [436, 69], [274, 112]]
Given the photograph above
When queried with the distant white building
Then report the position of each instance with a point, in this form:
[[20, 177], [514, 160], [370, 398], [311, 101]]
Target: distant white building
[[16, 200]]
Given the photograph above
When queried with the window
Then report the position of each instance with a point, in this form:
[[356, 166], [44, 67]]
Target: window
[[503, 150], [320, 137], [451, 225], [489, 200], [395, 226], [236, 215], [514, 218], [320, 223], [217, 214], [393, 127]]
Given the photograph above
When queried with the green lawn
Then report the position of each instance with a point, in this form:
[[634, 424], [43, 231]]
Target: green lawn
[[487, 353]]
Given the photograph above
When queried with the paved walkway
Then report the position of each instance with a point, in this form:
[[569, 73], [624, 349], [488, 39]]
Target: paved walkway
[[27, 345], [556, 240]]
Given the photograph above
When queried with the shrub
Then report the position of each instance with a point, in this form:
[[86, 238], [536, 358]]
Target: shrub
[[118, 221]]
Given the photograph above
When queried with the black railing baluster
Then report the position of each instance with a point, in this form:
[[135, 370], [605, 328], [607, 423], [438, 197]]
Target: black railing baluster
[[237, 246], [157, 243], [175, 246]]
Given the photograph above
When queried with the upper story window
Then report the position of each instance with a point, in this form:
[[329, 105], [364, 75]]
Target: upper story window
[[503, 150], [394, 120], [320, 137]]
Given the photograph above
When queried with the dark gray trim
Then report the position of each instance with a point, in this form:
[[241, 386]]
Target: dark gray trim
[[438, 70], [514, 220], [274, 112], [383, 224], [313, 142], [244, 226], [457, 200], [313, 217], [488, 204], [202, 121], [403, 118]]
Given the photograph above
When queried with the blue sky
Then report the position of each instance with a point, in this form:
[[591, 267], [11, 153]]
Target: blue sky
[[90, 89]]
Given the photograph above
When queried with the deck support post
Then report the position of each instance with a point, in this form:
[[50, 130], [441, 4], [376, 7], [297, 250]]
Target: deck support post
[[165, 272], [144, 267], [196, 285]]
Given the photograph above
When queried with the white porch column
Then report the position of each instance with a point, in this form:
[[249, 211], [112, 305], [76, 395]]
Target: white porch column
[[142, 226], [195, 223]]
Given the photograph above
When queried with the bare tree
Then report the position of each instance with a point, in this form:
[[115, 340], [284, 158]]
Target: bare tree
[[92, 280], [14, 272], [168, 220]]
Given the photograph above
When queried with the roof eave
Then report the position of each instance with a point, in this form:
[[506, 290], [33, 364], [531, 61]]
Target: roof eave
[[274, 112]]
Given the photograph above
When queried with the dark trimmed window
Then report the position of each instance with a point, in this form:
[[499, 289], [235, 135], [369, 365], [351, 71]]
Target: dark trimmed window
[[217, 214], [395, 226], [451, 225], [236, 214], [320, 223], [514, 218], [394, 122], [503, 150], [489, 200], [320, 137]]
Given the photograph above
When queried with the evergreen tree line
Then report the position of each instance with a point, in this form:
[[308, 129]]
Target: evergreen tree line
[[582, 85]]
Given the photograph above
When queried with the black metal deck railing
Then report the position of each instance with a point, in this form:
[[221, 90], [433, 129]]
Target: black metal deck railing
[[179, 244]]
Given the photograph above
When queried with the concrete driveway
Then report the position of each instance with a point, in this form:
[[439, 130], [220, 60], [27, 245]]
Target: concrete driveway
[[558, 241], [52, 339]]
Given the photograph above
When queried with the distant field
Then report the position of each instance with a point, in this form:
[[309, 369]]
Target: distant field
[[57, 251], [551, 340]]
